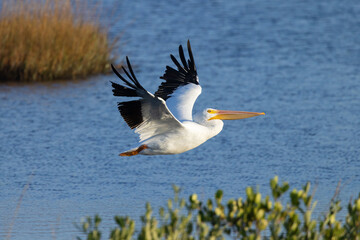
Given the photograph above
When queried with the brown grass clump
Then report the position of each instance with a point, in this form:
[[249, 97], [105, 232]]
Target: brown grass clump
[[46, 39]]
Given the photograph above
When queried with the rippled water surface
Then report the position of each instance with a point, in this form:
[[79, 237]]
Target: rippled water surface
[[296, 61]]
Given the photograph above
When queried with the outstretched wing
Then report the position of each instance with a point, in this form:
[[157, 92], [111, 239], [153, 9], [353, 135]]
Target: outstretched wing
[[148, 115], [181, 87]]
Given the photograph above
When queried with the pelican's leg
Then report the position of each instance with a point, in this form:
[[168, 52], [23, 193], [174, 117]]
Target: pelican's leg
[[133, 152]]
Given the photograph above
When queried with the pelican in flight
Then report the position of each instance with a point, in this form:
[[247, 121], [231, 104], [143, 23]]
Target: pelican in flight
[[164, 120]]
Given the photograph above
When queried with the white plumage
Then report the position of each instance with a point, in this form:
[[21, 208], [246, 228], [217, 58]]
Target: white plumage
[[164, 120], [181, 102]]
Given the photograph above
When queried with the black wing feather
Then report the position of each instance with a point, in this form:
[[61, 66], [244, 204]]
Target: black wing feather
[[127, 74], [181, 69], [131, 110], [191, 61], [122, 91], [183, 75], [121, 77], [133, 75], [182, 56]]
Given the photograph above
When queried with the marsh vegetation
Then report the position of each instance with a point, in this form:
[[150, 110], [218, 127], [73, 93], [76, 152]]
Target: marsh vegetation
[[51, 39], [250, 217]]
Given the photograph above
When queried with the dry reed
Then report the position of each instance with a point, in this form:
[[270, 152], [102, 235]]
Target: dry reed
[[50, 39]]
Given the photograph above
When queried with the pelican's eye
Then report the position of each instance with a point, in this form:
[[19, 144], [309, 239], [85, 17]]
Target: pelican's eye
[[211, 111]]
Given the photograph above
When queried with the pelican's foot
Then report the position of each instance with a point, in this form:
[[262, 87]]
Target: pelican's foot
[[133, 152]]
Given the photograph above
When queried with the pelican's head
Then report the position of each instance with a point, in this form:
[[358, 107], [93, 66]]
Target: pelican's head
[[229, 115]]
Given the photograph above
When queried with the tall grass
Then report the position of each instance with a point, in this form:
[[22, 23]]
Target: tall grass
[[50, 39]]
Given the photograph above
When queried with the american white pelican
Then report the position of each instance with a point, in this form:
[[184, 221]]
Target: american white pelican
[[164, 120]]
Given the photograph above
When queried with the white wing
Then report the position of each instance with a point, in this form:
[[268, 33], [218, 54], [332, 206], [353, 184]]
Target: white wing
[[182, 100], [181, 88], [149, 115], [157, 119]]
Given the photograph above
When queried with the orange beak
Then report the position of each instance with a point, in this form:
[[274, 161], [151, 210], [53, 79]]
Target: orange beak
[[232, 115]]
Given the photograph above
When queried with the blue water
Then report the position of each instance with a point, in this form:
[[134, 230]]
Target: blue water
[[298, 61]]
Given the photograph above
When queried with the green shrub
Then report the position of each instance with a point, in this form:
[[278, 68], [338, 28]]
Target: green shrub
[[252, 217], [50, 39]]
